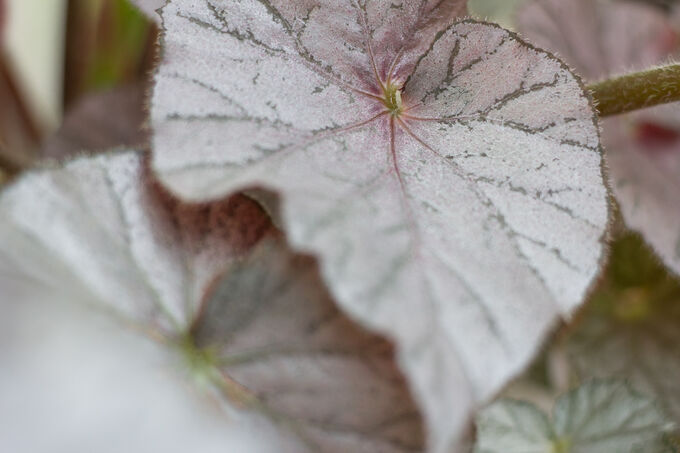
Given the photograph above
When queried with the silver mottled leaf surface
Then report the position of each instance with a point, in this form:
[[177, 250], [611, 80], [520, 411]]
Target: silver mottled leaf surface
[[463, 226], [134, 322], [602, 38]]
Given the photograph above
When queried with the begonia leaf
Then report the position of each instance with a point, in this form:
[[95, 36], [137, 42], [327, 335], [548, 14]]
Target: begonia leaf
[[603, 38], [600, 416], [632, 327], [447, 175], [131, 322]]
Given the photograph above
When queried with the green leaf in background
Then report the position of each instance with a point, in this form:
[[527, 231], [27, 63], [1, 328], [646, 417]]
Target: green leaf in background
[[119, 44], [631, 328], [485, 202], [665, 4], [500, 11], [597, 417], [109, 42]]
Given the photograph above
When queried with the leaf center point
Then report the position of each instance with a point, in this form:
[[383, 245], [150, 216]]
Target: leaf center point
[[392, 98]]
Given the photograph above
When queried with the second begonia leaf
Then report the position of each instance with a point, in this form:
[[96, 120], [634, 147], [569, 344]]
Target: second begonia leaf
[[447, 175], [600, 416], [131, 322]]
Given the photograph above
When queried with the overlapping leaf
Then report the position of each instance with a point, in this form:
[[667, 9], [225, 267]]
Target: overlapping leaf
[[598, 417], [632, 328], [601, 38], [114, 308], [447, 174], [644, 158], [101, 222], [101, 121]]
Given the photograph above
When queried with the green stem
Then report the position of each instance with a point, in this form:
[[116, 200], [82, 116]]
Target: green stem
[[637, 90]]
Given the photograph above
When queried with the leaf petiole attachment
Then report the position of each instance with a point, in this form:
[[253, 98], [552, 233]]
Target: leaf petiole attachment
[[637, 90], [392, 98]]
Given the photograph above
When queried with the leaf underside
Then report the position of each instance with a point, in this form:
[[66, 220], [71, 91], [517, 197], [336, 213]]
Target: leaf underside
[[141, 301], [462, 224]]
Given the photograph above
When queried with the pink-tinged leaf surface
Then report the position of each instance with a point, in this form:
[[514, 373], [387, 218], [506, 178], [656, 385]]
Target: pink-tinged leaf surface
[[599, 38], [463, 225], [644, 161], [602, 38], [118, 308]]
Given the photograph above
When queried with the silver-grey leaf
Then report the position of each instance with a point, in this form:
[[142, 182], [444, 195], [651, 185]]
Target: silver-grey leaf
[[597, 417], [132, 322], [462, 217]]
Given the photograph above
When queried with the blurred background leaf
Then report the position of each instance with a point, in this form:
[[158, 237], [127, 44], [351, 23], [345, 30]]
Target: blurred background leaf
[[31, 66], [73, 77], [599, 416], [665, 4], [108, 43], [503, 11], [2, 19], [499, 11], [102, 120], [631, 327]]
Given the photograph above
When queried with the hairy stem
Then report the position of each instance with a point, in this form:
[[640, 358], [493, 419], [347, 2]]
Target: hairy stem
[[637, 90]]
